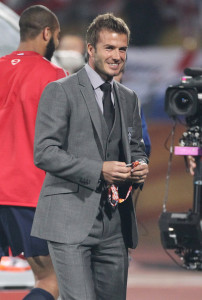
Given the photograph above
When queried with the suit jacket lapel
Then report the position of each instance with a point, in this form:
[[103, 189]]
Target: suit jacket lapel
[[121, 101], [89, 97]]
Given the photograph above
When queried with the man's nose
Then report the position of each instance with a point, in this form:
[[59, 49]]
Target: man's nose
[[116, 54]]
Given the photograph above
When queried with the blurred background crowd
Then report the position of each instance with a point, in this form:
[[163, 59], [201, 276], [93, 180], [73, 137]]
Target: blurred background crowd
[[154, 22], [166, 37]]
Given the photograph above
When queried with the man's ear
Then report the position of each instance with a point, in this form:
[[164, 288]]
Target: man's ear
[[91, 50], [46, 33]]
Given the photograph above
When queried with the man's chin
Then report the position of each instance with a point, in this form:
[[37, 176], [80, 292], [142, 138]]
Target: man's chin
[[116, 74], [113, 73], [110, 74]]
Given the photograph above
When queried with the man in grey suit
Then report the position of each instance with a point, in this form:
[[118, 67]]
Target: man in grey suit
[[86, 145]]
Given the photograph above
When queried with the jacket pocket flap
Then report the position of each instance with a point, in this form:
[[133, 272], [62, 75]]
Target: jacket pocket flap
[[60, 188]]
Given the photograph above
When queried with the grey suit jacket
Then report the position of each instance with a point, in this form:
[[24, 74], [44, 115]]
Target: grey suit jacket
[[68, 146]]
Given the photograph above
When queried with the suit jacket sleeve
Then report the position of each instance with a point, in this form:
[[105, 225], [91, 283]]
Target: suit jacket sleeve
[[51, 144], [137, 145], [145, 135]]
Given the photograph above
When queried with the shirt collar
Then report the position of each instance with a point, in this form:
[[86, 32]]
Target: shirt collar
[[26, 53], [95, 79]]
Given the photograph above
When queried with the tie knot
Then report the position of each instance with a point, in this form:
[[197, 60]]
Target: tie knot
[[105, 87]]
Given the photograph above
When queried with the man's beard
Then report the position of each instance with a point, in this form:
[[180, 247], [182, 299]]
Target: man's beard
[[50, 48]]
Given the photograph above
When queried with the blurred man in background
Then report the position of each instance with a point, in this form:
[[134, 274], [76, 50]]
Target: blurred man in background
[[70, 53], [72, 42], [24, 74]]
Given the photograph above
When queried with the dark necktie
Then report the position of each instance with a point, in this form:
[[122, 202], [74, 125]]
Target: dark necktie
[[108, 107]]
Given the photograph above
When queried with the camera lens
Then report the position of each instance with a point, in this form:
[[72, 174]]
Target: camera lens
[[183, 101]]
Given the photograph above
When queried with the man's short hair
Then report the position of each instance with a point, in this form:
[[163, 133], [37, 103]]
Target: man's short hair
[[34, 19], [106, 21]]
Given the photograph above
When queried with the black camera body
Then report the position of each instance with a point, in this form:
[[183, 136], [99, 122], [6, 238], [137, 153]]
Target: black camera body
[[182, 232], [179, 230], [185, 99]]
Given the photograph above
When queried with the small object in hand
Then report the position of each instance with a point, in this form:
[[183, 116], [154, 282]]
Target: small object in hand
[[129, 165], [135, 163]]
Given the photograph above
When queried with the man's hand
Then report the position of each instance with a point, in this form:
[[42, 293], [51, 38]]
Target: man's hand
[[139, 173], [115, 172], [192, 164]]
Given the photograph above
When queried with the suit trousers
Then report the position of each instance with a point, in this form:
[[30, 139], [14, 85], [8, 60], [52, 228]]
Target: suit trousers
[[96, 269]]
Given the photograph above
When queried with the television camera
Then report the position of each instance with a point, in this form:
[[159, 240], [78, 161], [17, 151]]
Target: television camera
[[182, 232]]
